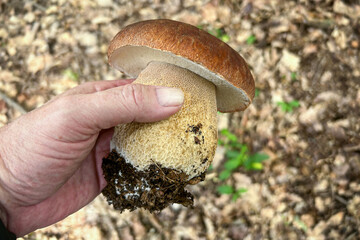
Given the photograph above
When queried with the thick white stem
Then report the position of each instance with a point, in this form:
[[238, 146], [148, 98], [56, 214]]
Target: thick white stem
[[187, 140]]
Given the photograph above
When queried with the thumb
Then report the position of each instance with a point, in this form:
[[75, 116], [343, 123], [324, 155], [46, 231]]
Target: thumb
[[125, 104]]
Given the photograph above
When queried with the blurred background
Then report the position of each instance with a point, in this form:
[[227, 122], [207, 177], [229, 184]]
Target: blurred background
[[288, 167]]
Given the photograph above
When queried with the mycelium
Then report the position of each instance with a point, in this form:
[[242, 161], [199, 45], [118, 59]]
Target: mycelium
[[151, 163]]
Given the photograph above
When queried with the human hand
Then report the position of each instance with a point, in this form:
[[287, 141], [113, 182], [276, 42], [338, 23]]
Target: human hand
[[50, 158]]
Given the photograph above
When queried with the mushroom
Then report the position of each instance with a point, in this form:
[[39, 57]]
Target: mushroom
[[151, 163]]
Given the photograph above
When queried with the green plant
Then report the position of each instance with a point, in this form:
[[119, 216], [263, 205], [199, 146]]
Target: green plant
[[217, 32], [223, 36], [251, 39], [293, 76], [227, 189], [254, 162], [300, 224], [257, 92], [288, 106], [71, 74], [237, 155]]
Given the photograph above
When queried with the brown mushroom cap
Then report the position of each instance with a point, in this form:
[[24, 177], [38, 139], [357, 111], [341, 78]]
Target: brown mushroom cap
[[188, 47]]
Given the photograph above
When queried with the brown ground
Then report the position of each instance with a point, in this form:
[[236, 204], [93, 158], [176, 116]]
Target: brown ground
[[303, 50]]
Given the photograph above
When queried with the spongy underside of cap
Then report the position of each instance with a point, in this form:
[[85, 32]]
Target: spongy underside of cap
[[133, 59]]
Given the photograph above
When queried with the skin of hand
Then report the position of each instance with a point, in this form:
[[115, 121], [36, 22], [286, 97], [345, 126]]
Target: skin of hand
[[50, 158]]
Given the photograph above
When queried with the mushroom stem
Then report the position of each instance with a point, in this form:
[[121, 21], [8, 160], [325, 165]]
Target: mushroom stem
[[187, 140]]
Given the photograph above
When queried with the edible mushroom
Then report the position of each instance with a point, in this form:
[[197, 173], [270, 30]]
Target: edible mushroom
[[213, 77]]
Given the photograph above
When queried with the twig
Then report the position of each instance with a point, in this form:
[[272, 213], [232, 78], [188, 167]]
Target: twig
[[156, 223], [12, 103], [341, 200], [172, 180], [40, 7], [352, 148]]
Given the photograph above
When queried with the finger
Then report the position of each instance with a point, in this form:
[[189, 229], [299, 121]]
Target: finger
[[125, 104], [102, 149], [97, 86]]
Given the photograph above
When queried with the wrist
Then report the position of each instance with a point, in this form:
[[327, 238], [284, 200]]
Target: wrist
[[3, 216], [3, 213], [3, 195], [4, 232]]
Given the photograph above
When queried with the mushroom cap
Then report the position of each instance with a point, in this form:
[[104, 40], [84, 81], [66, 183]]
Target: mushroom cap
[[189, 47]]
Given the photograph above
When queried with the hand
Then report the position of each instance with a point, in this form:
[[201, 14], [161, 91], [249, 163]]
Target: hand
[[50, 158]]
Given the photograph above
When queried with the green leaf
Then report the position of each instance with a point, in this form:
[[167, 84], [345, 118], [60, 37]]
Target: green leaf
[[226, 133], [71, 74], [238, 193], [236, 145], [258, 157], [301, 224], [247, 164], [257, 92], [244, 149], [251, 40], [284, 106], [232, 164], [235, 196], [225, 38], [220, 33], [211, 167], [256, 166], [225, 189], [243, 153], [224, 175], [241, 190], [294, 103], [232, 154], [293, 76], [288, 106], [254, 161], [241, 156]]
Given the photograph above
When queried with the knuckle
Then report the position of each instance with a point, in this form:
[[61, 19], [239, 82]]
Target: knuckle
[[86, 85], [133, 95], [96, 86]]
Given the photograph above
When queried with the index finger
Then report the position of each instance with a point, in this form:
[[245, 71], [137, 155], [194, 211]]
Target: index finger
[[96, 86]]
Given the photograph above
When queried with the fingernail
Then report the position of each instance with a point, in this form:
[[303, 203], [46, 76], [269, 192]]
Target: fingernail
[[169, 97]]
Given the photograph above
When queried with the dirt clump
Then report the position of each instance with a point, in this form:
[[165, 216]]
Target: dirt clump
[[153, 189]]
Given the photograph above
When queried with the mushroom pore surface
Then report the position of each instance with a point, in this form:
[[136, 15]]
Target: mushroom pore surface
[[187, 140]]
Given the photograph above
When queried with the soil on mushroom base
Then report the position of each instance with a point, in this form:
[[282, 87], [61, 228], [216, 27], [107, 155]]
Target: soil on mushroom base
[[153, 189]]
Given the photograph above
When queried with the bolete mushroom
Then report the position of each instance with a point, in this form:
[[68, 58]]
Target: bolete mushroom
[[151, 163]]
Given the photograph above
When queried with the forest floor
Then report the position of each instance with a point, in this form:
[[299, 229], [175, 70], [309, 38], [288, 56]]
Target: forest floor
[[305, 58]]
